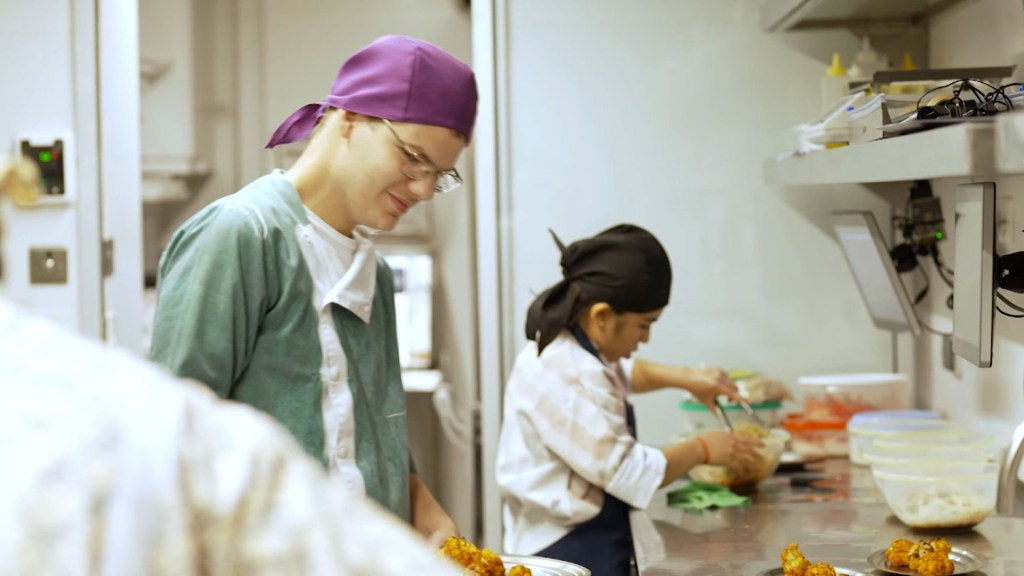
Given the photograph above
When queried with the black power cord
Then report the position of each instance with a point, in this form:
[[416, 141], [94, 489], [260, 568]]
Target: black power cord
[[983, 104]]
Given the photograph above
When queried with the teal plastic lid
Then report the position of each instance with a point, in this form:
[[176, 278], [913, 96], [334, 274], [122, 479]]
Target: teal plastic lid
[[691, 406]]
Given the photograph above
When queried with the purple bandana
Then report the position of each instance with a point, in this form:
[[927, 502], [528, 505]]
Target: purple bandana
[[399, 78]]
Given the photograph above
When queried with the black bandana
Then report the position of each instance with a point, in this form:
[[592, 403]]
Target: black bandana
[[624, 266]]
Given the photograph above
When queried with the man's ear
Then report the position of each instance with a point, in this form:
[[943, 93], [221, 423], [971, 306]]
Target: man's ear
[[348, 121]]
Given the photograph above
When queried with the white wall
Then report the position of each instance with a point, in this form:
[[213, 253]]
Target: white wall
[[978, 33], [661, 113]]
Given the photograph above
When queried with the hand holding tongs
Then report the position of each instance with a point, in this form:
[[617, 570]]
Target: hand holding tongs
[[746, 408]]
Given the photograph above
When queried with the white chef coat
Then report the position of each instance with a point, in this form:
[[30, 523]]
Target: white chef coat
[[114, 467], [565, 442]]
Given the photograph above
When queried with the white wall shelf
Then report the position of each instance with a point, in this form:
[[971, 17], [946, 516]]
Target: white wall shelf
[[879, 15], [953, 151]]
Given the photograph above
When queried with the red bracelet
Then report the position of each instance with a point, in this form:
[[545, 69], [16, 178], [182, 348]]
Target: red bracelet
[[704, 447]]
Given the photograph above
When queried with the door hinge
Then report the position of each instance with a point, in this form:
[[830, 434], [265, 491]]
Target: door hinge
[[107, 257]]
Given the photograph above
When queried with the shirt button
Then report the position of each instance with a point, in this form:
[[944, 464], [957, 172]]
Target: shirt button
[[343, 452], [334, 374]]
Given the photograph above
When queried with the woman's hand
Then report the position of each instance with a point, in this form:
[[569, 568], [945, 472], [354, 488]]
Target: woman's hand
[[736, 451], [706, 384]]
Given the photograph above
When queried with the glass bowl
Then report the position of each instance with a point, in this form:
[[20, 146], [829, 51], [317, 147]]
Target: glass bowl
[[774, 444]]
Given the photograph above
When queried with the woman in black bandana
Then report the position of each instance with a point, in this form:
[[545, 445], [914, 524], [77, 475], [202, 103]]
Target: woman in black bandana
[[569, 467]]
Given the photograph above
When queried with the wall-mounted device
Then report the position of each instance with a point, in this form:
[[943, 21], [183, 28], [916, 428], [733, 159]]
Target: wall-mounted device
[[974, 289], [53, 153], [876, 276], [925, 223]]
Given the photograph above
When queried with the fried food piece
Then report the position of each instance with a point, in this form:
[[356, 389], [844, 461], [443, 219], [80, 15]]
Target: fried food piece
[[479, 561], [820, 569], [898, 553], [933, 565], [931, 558], [461, 551], [490, 564], [793, 561], [941, 545]]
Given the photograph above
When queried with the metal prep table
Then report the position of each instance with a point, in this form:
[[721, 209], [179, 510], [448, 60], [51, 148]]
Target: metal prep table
[[831, 509]]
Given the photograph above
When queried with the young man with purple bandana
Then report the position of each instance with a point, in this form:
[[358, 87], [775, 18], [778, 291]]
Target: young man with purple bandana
[[275, 296]]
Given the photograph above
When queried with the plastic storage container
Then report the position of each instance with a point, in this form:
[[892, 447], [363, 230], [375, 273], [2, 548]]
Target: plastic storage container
[[941, 446], [864, 433], [819, 438], [933, 496], [840, 396], [699, 418]]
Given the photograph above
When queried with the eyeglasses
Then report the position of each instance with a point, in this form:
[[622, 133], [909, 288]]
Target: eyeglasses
[[417, 166]]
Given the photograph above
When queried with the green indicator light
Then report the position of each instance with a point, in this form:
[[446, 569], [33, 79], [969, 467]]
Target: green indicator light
[[938, 235], [44, 157]]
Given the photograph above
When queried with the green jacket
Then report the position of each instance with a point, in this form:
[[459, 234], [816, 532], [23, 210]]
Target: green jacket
[[235, 310]]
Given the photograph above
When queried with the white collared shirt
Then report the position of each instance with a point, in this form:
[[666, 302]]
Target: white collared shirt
[[565, 442], [344, 272]]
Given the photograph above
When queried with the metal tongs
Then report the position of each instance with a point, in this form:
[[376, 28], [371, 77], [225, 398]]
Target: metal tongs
[[746, 408]]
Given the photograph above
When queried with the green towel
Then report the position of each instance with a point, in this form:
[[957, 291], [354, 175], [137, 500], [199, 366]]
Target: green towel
[[701, 495]]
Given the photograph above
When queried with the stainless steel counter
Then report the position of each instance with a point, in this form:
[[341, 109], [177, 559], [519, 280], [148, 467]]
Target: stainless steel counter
[[832, 510]]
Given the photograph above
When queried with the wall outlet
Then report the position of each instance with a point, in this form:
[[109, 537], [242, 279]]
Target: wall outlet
[[48, 265]]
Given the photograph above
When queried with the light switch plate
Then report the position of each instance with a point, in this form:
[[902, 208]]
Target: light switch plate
[[48, 265]]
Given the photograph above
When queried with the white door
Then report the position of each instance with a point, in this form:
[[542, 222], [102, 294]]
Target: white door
[[76, 67]]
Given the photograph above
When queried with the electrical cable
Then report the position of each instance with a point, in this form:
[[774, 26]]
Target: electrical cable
[[996, 100], [941, 268], [917, 300], [924, 291], [1004, 313], [937, 88], [1009, 302]]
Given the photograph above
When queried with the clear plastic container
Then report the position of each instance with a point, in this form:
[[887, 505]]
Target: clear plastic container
[[863, 434], [938, 496], [699, 418], [840, 396], [941, 446], [818, 438]]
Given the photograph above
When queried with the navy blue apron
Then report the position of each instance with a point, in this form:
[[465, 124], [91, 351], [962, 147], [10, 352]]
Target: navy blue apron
[[603, 544]]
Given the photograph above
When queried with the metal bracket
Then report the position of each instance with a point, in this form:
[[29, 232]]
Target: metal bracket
[[107, 257]]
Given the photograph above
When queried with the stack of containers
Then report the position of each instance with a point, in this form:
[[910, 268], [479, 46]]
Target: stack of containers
[[934, 475], [830, 401]]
